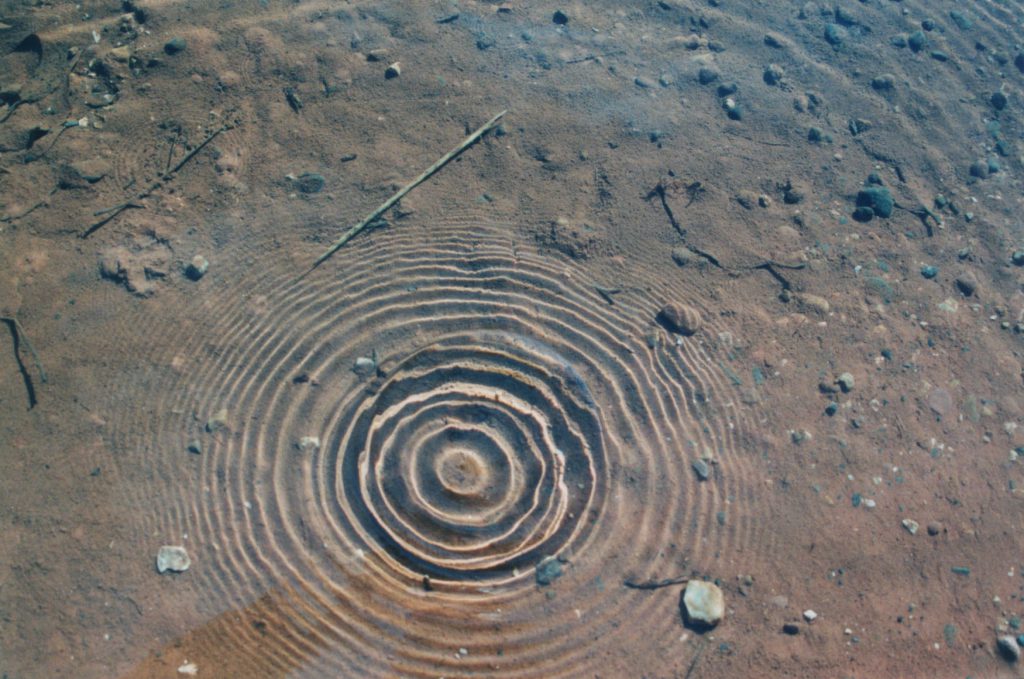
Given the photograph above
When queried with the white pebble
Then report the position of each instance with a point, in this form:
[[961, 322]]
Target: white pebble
[[172, 558], [810, 615]]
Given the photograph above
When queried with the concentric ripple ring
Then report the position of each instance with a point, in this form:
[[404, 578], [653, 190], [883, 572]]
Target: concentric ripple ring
[[372, 522]]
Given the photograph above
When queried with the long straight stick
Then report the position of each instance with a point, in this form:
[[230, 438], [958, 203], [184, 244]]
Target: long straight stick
[[373, 216]]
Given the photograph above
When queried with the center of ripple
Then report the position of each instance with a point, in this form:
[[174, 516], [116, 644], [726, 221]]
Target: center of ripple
[[462, 473], [474, 457]]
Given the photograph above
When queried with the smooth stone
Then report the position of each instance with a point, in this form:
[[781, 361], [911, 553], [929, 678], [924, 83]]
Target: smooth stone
[[999, 100], [393, 71], [845, 382], [1017, 258], [172, 558], [175, 45], [1008, 648], [979, 169], [934, 528], [197, 268], [560, 17], [706, 76], [863, 214], [703, 603], [680, 318], [195, 447], [810, 616], [929, 271], [791, 628], [916, 40], [364, 367], [702, 470], [886, 81]]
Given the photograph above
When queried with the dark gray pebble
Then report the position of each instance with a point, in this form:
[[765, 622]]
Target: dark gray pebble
[[175, 45], [310, 182]]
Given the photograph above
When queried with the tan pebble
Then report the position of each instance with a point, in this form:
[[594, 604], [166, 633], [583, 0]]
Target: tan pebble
[[680, 318], [811, 302]]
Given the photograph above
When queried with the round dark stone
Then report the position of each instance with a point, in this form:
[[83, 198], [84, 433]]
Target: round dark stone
[[174, 45], [863, 214]]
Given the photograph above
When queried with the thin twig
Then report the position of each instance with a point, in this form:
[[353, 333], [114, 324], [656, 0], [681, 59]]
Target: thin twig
[[20, 330], [191, 154], [696, 658], [656, 584], [383, 207], [607, 293], [114, 211]]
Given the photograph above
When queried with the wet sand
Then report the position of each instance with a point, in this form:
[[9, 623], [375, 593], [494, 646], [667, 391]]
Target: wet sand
[[446, 450]]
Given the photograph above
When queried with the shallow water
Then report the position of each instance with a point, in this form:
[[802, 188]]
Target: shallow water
[[471, 442]]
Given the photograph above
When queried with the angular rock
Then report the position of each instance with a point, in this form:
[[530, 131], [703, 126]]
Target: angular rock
[[172, 558], [703, 604]]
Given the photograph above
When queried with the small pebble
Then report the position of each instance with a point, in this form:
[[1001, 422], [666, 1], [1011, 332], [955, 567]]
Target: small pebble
[[791, 628], [886, 81], [560, 17], [773, 74], [548, 570], [1008, 648], [810, 616], [218, 421], [967, 284], [917, 40], [174, 45], [835, 34], [706, 76], [845, 382], [934, 528], [999, 100], [364, 367], [702, 470], [197, 268], [929, 271], [308, 444], [725, 89], [680, 318], [172, 558], [1017, 258], [393, 71], [911, 526], [310, 182], [195, 447]]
